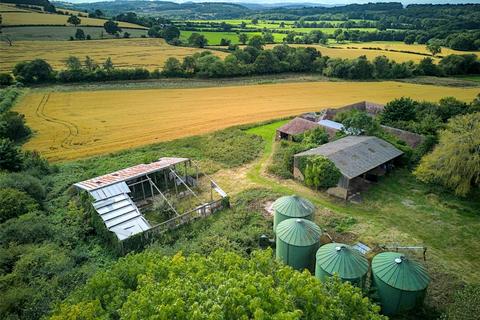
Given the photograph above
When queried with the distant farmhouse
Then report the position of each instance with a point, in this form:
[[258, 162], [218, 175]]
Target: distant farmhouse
[[325, 120], [359, 159]]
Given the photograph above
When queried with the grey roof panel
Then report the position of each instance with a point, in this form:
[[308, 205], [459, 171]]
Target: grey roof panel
[[356, 155]]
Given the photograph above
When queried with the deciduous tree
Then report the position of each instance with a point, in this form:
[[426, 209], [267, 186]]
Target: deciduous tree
[[455, 162]]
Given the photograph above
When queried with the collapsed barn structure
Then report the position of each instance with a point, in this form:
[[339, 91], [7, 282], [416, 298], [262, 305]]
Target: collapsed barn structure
[[359, 159], [119, 197]]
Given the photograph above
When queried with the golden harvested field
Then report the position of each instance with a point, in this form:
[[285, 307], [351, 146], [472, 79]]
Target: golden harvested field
[[78, 124], [397, 45], [36, 18], [147, 53], [345, 53], [354, 50], [4, 7]]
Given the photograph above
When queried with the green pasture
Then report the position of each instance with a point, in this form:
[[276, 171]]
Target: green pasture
[[214, 37]]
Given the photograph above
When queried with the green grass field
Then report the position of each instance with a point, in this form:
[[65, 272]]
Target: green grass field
[[215, 37], [61, 32]]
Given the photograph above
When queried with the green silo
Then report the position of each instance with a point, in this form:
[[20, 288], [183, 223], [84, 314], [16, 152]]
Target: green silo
[[400, 283], [297, 241], [289, 207], [348, 263]]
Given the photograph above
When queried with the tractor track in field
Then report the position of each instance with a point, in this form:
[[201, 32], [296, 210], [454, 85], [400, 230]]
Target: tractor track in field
[[72, 128]]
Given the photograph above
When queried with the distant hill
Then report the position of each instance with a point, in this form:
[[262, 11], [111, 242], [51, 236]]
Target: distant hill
[[47, 6], [172, 10]]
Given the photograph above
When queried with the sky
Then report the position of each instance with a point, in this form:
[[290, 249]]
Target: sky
[[319, 2]]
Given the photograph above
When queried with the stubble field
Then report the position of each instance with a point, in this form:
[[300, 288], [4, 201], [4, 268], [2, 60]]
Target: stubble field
[[131, 53], [78, 124]]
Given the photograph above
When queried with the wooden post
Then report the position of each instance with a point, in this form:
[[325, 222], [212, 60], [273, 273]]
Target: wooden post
[[143, 191], [166, 181]]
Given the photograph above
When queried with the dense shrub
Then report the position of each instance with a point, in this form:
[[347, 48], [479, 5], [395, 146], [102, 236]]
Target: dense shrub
[[314, 138], [320, 172], [6, 79], [455, 162], [224, 284], [37, 70], [10, 156], [7, 98], [14, 203], [13, 127], [31, 227], [23, 182], [282, 159]]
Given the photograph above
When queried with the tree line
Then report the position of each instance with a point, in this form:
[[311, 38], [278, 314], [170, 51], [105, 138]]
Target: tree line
[[250, 60]]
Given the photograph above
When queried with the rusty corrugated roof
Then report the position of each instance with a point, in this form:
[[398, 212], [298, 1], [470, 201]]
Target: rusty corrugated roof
[[298, 126], [128, 173]]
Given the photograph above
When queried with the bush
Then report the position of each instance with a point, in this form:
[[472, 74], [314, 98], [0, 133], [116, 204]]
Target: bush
[[7, 98], [224, 284], [37, 70], [14, 203], [282, 159], [32, 227], [320, 172], [23, 182], [10, 156], [6, 79], [12, 126]]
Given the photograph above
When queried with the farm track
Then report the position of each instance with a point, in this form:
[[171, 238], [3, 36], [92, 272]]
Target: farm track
[[72, 128]]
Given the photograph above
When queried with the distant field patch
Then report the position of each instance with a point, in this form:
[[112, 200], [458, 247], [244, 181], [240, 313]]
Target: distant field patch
[[147, 53], [62, 32], [400, 46], [78, 124], [345, 53], [214, 37], [36, 18]]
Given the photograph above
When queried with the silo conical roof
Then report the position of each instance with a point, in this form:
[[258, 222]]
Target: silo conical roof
[[294, 206], [298, 232], [399, 272], [342, 259]]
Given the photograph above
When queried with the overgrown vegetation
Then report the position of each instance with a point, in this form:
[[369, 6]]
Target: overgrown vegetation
[[455, 161], [232, 286], [48, 245], [320, 172]]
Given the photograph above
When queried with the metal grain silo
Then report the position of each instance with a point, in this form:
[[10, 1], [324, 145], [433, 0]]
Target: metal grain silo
[[400, 283], [289, 207], [297, 242], [349, 264]]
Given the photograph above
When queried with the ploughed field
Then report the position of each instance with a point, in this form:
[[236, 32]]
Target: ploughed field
[[131, 53], [78, 124]]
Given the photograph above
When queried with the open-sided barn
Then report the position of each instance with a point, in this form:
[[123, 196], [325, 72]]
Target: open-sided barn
[[358, 158]]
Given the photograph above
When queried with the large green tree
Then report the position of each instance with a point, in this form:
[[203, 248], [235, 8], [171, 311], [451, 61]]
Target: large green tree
[[320, 172], [455, 162], [221, 286]]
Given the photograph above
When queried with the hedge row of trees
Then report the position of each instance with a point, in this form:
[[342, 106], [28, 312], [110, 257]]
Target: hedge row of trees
[[251, 60]]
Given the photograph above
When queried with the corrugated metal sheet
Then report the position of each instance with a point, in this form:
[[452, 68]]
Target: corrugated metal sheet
[[298, 232], [331, 124], [356, 155], [121, 215], [128, 173], [343, 260], [110, 191], [397, 271]]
